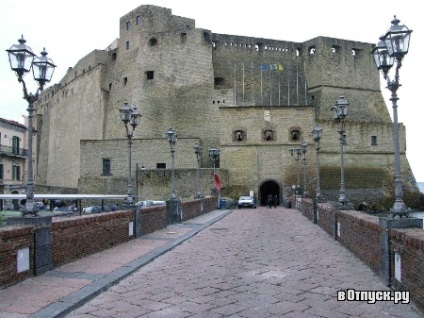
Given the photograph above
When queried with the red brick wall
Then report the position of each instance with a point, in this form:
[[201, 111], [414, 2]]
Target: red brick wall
[[80, 236], [192, 209], [409, 243], [325, 217], [11, 240], [153, 218], [360, 233]]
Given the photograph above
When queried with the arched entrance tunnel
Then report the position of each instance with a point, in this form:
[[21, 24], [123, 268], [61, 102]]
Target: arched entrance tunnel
[[266, 188]]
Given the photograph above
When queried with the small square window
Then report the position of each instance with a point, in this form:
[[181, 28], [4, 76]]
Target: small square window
[[373, 140], [161, 165], [150, 75]]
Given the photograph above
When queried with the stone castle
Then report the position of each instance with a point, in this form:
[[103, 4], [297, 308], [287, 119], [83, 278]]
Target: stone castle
[[253, 98]]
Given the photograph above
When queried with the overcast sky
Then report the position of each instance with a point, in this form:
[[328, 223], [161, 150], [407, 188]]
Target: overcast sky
[[71, 29]]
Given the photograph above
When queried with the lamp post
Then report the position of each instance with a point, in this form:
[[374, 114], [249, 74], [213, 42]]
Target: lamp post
[[129, 115], [22, 59], [304, 150], [214, 156], [316, 136], [296, 153], [171, 135], [340, 111], [393, 46], [198, 151]]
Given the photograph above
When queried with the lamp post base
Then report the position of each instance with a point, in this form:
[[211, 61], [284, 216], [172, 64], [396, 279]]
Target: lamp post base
[[29, 209], [399, 210]]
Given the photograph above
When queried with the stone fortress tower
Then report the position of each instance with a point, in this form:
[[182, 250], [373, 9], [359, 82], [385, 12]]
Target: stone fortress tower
[[253, 98]]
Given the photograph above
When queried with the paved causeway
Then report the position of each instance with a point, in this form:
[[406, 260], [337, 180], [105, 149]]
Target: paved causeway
[[252, 263]]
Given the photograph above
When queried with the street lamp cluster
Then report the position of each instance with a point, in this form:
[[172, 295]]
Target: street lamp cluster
[[22, 59], [171, 136], [296, 153], [129, 116], [340, 111], [198, 152], [214, 156], [392, 47], [316, 136]]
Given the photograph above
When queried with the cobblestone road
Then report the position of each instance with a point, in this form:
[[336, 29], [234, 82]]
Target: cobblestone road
[[253, 263]]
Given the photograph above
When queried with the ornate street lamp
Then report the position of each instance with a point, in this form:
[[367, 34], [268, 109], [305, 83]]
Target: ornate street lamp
[[198, 151], [304, 149], [392, 47], [22, 59], [340, 111], [214, 156], [296, 153], [316, 136], [129, 115], [171, 135]]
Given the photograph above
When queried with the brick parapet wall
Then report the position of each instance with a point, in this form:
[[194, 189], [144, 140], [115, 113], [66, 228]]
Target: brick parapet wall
[[360, 233], [76, 237], [192, 209], [80, 236], [325, 217], [409, 244], [153, 218], [12, 239]]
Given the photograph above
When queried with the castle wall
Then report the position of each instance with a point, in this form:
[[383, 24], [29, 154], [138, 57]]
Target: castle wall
[[74, 112], [208, 87]]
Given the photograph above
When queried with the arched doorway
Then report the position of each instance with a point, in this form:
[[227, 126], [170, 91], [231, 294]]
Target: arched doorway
[[269, 187]]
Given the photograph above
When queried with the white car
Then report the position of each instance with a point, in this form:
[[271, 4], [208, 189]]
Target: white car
[[148, 203], [246, 201]]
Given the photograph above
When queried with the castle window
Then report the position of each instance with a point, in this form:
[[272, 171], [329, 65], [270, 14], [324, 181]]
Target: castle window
[[335, 49], [312, 50], [114, 56], [127, 45], [183, 37], [207, 37], [268, 135], [1, 171], [153, 42], [259, 47], [106, 171], [125, 80], [373, 140], [110, 86], [298, 52], [161, 165], [355, 51], [294, 134], [16, 172], [137, 20], [150, 75], [219, 81], [128, 25], [239, 135]]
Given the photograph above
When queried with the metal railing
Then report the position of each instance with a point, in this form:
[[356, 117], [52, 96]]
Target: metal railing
[[13, 151]]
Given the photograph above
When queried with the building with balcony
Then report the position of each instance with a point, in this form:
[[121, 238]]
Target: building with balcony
[[13, 157]]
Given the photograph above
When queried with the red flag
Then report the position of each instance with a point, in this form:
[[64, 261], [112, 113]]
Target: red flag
[[217, 183]]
